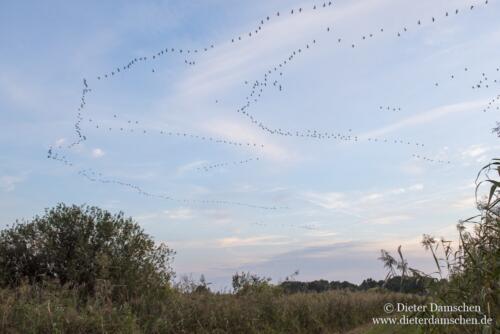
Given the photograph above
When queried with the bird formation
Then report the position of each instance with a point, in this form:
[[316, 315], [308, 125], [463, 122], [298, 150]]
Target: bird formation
[[304, 227], [137, 60], [272, 78], [133, 126], [483, 82], [208, 168], [389, 108], [253, 33], [491, 104], [172, 50], [94, 176], [78, 130], [268, 18], [258, 87], [61, 158], [439, 161]]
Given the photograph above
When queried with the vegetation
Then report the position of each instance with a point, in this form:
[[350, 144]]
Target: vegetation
[[49, 308], [81, 269], [396, 283], [471, 272], [80, 246]]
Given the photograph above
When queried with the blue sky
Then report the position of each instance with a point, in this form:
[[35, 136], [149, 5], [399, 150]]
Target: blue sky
[[334, 202]]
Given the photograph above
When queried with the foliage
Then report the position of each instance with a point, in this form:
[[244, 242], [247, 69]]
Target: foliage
[[410, 285], [49, 308], [187, 284], [80, 246], [471, 272], [245, 283]]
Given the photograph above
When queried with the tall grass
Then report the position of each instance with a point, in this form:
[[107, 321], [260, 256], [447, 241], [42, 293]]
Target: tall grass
[[470, 272], [52, 309]]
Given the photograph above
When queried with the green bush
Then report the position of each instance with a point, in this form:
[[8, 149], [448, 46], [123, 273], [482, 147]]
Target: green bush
[[80, 246]]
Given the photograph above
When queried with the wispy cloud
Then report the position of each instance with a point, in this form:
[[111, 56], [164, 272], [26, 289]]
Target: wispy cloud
[[350, 200], [60, 142], [190, 166], [97, 153], [330, 200], [425, 117], [242, 132], [478, 152], [9, 182], [388, 220], [174, 214], [227, 64], [179, 214], [468, 202], [474, 151], [268, 240]]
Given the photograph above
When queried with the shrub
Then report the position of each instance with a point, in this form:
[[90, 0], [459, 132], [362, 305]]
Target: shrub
[[80, 246], [245, 283]]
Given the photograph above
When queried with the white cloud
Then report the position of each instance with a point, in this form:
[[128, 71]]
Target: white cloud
[[270, 240], [416, 187], [321, 234], [372, 197], [190, 166], [18, 92], [179, 214], [8, 182], [242, 132], [474, 151], [352, 200], [468, 202], [402, 190], [97, 153], [226, 64], [60, 142], [331, 200], [426, 117], [387, 220], [174, 214], [477, 153]]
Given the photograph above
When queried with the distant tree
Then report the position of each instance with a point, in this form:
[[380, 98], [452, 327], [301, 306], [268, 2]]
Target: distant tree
[[81, 245], [345, 285], [244, 283], [318, 286], [293, 286], [369, 283], [408, 284]]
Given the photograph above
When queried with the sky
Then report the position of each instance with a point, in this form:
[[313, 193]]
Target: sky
[[369, 136]]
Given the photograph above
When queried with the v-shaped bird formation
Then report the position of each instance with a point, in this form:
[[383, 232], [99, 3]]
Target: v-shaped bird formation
[[272, 81]]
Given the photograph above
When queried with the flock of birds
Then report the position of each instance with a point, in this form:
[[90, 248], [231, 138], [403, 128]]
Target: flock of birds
[[424, 158], [272, 78], [207, 168], [94, 176], [389, 108], [133, 126], [492, 104], [309, 227]]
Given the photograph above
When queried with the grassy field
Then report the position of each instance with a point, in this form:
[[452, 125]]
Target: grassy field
[[54, 310]]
